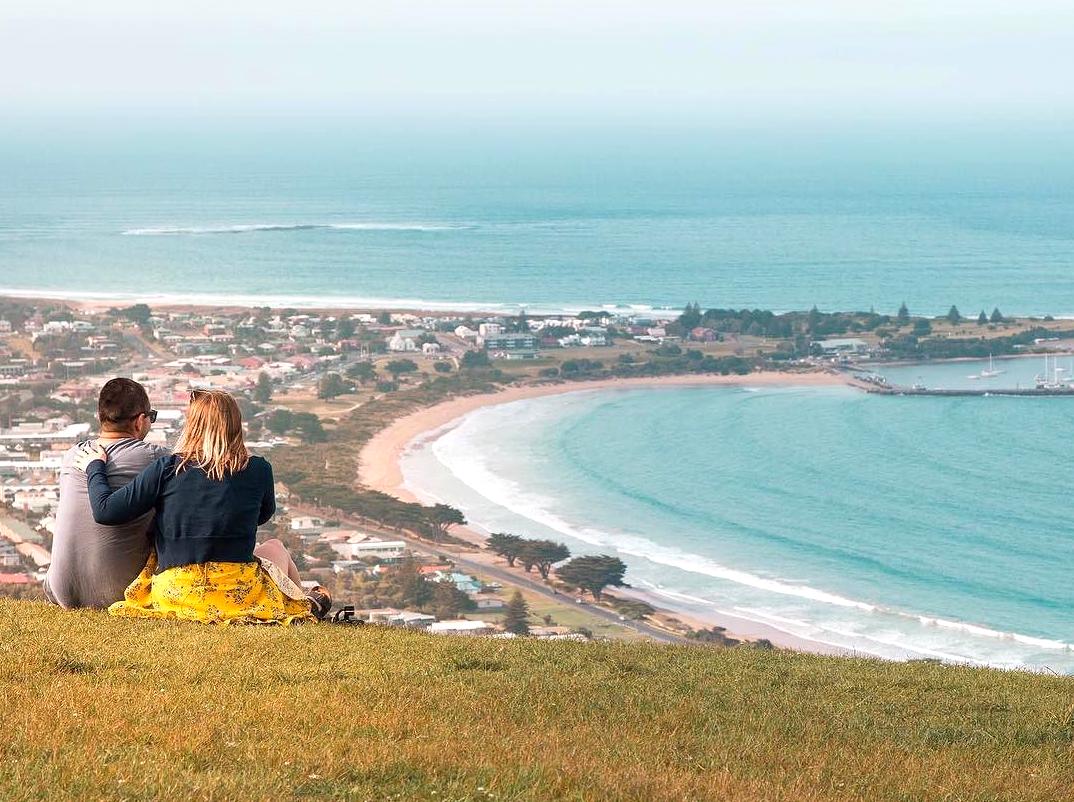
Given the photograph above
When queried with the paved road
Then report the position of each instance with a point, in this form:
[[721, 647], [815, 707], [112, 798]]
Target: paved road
[[508, 577]]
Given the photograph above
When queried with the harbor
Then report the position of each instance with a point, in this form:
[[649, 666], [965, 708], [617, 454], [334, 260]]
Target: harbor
[[1054, 380]]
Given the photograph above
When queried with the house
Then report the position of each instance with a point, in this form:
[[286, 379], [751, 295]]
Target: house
[[430, 349], [702, 334], [556, 633], [462, 627], [405, 340], [428, 570], [389, 551], [845, 345], [486, 602], [464, 582], [487, 330], [378, 615], [410, 619], [512, 346], [307, 524], [465, 333], [15, 531]]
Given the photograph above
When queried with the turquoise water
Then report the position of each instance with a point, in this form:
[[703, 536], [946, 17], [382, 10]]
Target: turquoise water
[[902, 527], [537, 218]]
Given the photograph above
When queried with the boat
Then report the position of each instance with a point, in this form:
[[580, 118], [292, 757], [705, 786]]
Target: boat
[[988, 374], [1051, 380]]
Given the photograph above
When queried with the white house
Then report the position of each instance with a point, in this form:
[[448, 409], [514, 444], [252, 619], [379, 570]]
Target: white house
[[407, 618], [357, 549], [465, 332], [307, 523], [404, 340], [461, 627], [843, 345]]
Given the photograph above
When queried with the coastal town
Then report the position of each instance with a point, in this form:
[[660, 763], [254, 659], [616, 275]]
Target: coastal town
[[302, 375], [294, 373]]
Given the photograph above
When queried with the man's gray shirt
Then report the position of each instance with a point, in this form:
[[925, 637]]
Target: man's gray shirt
[[92, 564]]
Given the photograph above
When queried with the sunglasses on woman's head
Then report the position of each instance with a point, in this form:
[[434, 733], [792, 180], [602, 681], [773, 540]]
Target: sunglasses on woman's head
[[197, 394]]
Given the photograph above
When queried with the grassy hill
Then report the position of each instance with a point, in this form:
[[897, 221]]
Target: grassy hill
[[97, 708]]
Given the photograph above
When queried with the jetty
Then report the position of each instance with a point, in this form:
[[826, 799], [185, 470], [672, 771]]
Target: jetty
[[892, 389], [877, 384]]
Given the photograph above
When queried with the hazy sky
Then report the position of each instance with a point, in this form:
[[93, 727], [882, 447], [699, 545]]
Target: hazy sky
[[751, 59]]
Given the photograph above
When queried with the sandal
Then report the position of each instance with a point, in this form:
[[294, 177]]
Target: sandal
[[320, 602]]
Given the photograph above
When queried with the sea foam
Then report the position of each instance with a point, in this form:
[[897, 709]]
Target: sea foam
[[870, 628], [248, 228]]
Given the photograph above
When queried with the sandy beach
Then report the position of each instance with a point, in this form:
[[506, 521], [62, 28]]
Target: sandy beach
[[379, 467], [379, 460]]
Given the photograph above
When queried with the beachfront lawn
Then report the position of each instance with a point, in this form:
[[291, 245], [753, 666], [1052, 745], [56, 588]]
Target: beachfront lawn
[[97, 708], [564, 614]]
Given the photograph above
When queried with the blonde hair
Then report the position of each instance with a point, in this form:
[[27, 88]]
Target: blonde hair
[[212, 438]]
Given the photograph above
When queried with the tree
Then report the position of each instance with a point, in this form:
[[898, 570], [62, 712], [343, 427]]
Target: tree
[[903, 315], [263, 389], [549, 552], [345, 328], [397, 366], [475, 359], [922, 328], [520, 323], [445, 600], [279, 421], [516, 615], [443, 517], [505, 545], [309, 427], [690, 317], [384, 318], [362, 372], [542, 554], [139, 313], [997, 316], [953, 316], [442, 367], [593, 573], [331, 386]]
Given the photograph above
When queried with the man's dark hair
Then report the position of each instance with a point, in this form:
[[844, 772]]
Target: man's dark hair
[[121, 401]]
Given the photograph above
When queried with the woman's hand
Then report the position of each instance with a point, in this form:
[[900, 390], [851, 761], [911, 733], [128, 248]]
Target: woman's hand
[[87, 453]]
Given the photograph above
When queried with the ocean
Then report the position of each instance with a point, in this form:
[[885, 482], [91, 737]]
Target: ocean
[[917, 527], [542, 219]]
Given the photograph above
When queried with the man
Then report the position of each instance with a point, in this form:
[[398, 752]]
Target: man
[[93, 564]]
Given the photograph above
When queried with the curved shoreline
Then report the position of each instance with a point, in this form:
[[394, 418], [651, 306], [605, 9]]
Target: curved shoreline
[[378, 461], [379, 468]]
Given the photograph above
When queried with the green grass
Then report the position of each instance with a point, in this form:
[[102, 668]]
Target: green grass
[[98, 708]]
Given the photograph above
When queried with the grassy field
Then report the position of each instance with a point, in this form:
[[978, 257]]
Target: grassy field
[[96, 708]]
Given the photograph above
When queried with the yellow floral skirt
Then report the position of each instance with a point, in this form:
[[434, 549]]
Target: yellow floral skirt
[[214, 593]]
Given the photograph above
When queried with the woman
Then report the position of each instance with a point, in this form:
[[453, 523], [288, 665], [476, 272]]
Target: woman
[[210, 496]]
